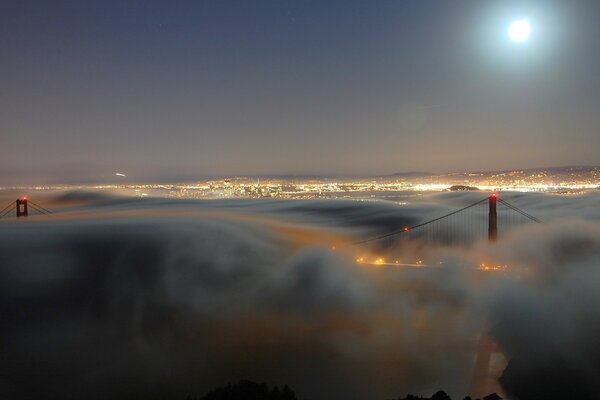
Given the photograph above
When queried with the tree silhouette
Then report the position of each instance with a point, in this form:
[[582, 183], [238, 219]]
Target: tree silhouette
[[246, 390]]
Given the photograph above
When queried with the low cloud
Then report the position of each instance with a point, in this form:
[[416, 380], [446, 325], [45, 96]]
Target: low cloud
[[153, 298]]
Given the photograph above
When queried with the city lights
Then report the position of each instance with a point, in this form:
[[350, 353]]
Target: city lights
[[568, 180]]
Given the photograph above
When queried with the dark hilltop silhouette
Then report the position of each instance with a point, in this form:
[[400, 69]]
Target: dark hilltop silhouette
[[441, 395], [247, 390]]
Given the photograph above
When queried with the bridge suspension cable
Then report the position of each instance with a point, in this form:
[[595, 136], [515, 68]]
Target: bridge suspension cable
[[9, 208], [463, 228], [409, 228], [523, 213], [39, 208]]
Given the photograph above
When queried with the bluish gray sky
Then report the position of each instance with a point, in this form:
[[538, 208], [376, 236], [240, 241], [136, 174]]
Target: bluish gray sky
[[187, 89]]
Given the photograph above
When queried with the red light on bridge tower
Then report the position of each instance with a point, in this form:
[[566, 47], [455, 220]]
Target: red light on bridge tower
[[22, 209], [493, 219]]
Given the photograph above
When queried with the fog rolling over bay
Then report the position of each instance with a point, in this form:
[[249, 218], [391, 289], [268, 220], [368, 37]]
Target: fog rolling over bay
[[359, 199], [124, 298]]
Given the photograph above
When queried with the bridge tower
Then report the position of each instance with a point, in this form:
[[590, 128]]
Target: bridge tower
[[22, 207], [493, 219]]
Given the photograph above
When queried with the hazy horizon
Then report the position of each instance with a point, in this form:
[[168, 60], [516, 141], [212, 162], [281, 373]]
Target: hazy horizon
[[111, 177]]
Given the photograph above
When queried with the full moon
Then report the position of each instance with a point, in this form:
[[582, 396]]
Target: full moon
[[519, 30]]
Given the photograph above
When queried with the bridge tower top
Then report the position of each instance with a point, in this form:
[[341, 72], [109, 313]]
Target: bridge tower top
[[22, 207]]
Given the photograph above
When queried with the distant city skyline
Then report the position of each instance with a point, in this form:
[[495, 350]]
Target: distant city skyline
[[164, 91], [564, 180]]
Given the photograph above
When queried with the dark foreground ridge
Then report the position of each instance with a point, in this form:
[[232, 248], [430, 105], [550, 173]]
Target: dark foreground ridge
[[247, 390], [441, 395]]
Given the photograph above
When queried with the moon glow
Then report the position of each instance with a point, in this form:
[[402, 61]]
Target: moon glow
[[519, 30]]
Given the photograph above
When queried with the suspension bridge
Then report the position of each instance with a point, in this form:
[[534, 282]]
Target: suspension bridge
[[21, 208], [491, 217]]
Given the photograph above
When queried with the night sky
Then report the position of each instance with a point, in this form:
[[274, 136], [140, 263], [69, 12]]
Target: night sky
[[189, 89]]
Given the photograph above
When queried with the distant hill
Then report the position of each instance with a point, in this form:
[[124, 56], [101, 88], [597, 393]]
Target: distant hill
[[462, 188], [581, 169], [556, 171], [411, 174]]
